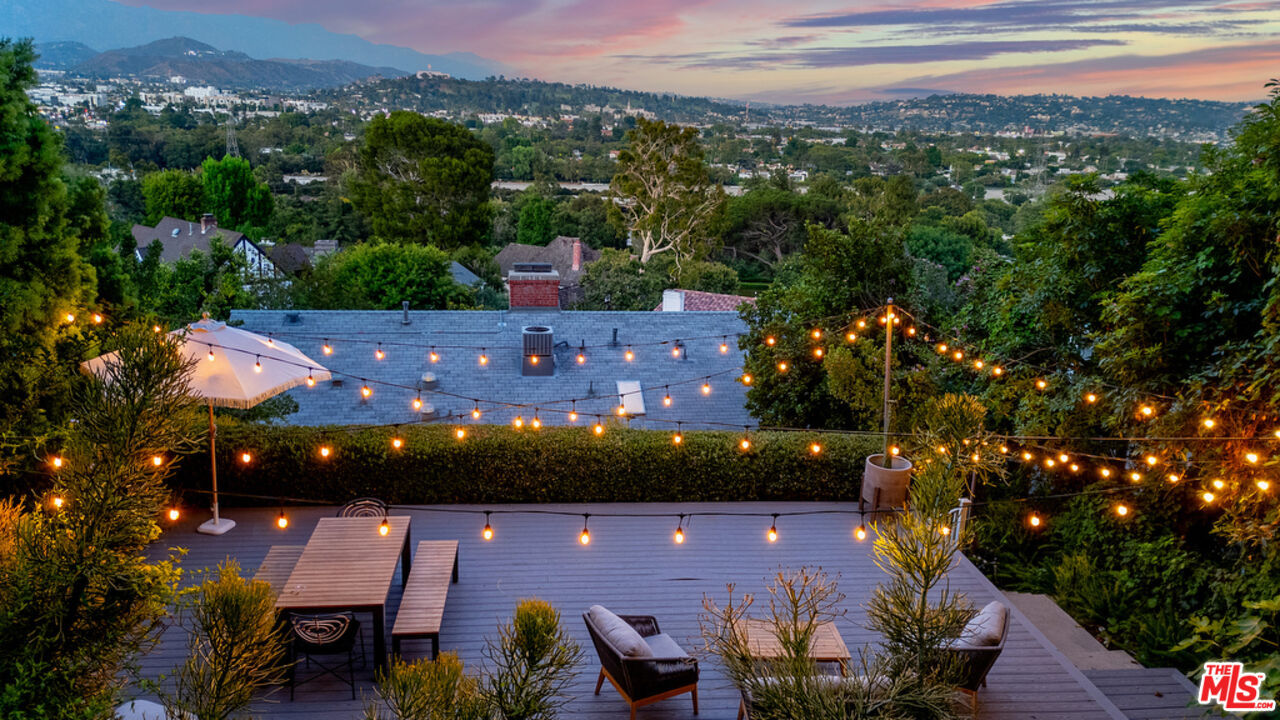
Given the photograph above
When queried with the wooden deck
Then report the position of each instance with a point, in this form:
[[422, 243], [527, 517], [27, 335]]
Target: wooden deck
[[632, 566], [1152, 694]]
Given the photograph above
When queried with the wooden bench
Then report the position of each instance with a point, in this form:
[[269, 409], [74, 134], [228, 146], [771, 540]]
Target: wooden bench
[[422, 606], [277, 566]]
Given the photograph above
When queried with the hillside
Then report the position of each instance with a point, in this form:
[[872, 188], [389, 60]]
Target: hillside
[[62, 55], [204, 64], [1192, 120]]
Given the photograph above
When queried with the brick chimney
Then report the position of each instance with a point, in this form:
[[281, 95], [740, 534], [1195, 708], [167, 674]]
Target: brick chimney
[[577, 254], [207, 223], [533, 285]]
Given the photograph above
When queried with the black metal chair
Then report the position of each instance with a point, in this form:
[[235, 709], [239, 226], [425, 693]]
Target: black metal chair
[[364, 507], [332, 635], [664, 671]]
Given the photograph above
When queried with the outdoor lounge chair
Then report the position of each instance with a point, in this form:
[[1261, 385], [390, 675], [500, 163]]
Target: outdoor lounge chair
[[979, 645], [332, 635], [644, 664], [363, 507]]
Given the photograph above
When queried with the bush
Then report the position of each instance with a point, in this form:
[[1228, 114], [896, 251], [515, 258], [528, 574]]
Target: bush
[[496, 463], [534, 659], [428, 690]]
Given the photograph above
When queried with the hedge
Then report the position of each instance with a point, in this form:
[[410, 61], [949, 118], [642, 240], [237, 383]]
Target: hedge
[[499, 464]]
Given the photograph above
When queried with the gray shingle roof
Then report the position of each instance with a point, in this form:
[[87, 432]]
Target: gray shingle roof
[[558, 252], [354, 334], [462, 275], [189, 237]]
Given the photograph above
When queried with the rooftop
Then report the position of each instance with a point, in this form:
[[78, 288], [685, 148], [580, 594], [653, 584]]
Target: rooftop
[[460, 380], [631, 566], [179, 237]]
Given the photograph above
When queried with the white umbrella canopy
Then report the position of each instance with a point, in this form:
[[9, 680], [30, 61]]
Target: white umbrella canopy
[[234, 368]]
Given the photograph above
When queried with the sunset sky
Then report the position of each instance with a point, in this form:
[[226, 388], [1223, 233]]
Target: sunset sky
[[830, 52]]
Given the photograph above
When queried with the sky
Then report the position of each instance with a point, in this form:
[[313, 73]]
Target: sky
[[826, 51]]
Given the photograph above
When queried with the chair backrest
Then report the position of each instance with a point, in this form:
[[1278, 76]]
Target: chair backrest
[[979, 659], [610, 656], [324, 634], [363, 507]]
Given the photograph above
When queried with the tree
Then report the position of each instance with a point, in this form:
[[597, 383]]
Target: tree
[[379, 276], [78, 598], [533, 663], [43, 277], [767, 223], [945, 247], [423, 180], [618, 281], [534, 225], [232, 194], [173, 193], [668, 202]]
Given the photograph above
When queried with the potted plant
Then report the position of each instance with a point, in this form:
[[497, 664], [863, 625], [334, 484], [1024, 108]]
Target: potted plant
[[886, 477]]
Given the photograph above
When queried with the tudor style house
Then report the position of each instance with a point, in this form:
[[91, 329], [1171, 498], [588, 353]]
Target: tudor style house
[[178, 238]]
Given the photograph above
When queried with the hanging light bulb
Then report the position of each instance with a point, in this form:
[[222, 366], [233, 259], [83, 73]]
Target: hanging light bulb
[[861, 323], [1034, 520], [246, 458], [679, 536], [155, 328], [366, 391], [433, 356], [417, 403], [325, 451], [895, 450], [1063, 457], [724, 345], [675, 350], [57, 502], [817, 353], [487, 532], [911, 331], [97, 320], [1152, 460], [484, 357], [271, 341], [1218, 484], [327, 349], [379, 354], [598, 429], [518, 422], [621, 410], [628, 355], [942, 348], [1173, 478], [257, 365], [1075, 467], [1122, 509], [573, 414], [1026, 456], [1090, 398], [1147, 411], [1048, 462], [851, 337], [460, 433], [815, 448], [666, 399], [174, 514], [958, 355], [397, 443], [56, 461], [282, 521], [746, 379], [1208, 497], [1209, 423], [977, 364], [1135, 476], [1004, 449], [677, 438], [585, 536], [582, 355], [1263, 485], [533, 359], [1251, 458], [860, 533], [475, 412], [706, 388], [384, 527], [210, 355], [997, 370], [157, 460], [773, 529], [782, 367], [311, 381], [744, 444], [70, 318], [1105, 472], [1041, 384], [816, 334], [537, 422]]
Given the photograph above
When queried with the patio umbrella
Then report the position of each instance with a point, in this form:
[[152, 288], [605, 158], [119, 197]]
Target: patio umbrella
[[234, 368]]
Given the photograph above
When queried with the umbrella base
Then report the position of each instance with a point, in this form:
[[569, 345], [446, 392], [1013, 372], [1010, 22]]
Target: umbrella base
[[216, 527]]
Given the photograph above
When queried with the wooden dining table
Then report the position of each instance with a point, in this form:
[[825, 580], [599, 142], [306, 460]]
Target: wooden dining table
[[347, 564], [826, 647]]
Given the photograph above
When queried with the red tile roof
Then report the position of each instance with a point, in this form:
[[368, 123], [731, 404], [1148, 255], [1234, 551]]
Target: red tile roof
[[699, 301]]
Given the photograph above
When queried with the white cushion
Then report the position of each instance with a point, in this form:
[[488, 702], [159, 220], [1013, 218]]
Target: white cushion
[[986, 629], [661, 645], [619, 634]]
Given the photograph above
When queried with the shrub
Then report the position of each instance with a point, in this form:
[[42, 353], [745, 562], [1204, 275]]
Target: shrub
[[500, 464], [533, 661], [428, 690]]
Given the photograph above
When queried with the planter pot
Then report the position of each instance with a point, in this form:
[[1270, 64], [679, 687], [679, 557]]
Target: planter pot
[[884, 487]]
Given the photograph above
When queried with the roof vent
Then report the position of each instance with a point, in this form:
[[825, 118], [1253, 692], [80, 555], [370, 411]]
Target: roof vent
[[538, 359], [293, 318]]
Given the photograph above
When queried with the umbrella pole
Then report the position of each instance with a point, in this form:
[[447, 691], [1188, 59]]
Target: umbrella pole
[[217, 525]]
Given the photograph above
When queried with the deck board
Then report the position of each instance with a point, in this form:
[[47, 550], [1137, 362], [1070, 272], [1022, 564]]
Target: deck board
[[631, 566]]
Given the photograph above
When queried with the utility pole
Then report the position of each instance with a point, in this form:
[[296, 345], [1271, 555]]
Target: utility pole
[[233, 147]]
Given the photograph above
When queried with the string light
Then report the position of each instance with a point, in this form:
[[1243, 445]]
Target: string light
[[977, 364], [97, 319], [1173, 478], [384, 527], [484, 357], [210, 355], [56, 461], [1135, 476], [997, 370], [629, 355], [724, 345], [155, 328], [1263, 485], [1251, 457], [533, 360], [157, 460], [1041, 384], [678, 437], [1034, 520], [271, 341], [1209, 423], [487, 532], [815, 448], [770, 341], [1026, 456], [598, 429], [537, 422], [573, 414], [257, 366], [860, 533], [585, 537], [378, 355], [911, 331], [1218, 484], [817, 334], [433, 356], [327, 349], [895, 450], [582, 355], [1208, 497], [773, 529], [675, 350], [397, 443], [746, 378], [57, 502], [679, 536], [782, 367], [958, 355], [851, 337], [311, 381], [817, 353], [518, 422], [70, 318], [366, 391], [942, 348], [1091, 398], [861, 323], [666, 399], [174, 514], [1147, 411], [417, 403], [475, 412], [944, 530], [246, 458], [1105, 472], [1121, 509], [460, 433], [745, 443], [1152, 460], [324, 451], [282, 521], [706, 388]]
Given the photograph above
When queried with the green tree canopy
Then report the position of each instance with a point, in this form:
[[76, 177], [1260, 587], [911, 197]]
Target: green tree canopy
[[233, 195], [379, 276], [423, 180], [173, 193]]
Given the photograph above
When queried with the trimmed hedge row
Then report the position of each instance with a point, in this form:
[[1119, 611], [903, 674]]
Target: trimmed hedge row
[[499, 464]]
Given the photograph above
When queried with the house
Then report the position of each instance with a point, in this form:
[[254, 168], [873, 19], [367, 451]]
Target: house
[[178, 238], [627, 359], [463, 276], [678, 300], [290, 258], [567, 256]]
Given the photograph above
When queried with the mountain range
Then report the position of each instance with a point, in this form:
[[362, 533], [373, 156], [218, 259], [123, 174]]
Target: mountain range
[[106, 24], [202, 64]]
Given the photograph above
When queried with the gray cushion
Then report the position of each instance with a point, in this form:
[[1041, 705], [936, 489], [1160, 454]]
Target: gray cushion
[[986, 629], [661, 645], [619, 634]]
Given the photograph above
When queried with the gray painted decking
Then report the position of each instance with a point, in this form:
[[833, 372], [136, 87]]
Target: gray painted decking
[[1152, 693], [633, 566]]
